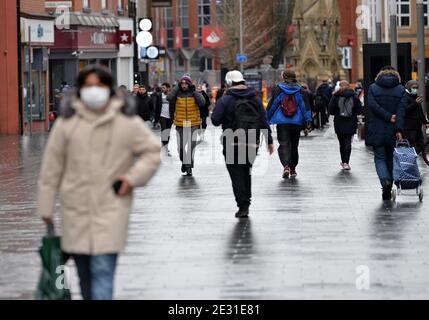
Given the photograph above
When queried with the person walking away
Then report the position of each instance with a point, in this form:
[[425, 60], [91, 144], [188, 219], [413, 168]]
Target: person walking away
[[96, 142], [321, 101], [166, 116], [205, 111], [415, 118], [241, 111], [309, 100], [156, 106], [345, 106], [287, 109], [220, 92], [188, 103], [143, 104], [385, 100]]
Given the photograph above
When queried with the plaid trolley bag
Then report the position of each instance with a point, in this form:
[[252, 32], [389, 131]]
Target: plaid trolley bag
[[406, 174]]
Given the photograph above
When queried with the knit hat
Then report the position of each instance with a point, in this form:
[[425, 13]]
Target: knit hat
[[410, 84], [289, 76], [187, 78]]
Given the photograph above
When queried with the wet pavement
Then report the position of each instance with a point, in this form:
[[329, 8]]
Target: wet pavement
[[308, 238]]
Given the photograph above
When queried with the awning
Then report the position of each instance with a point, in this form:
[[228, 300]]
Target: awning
[[92, 20]]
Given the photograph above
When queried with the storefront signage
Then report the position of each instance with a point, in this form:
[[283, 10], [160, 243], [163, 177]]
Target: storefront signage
[[42, 31], [212, 37]]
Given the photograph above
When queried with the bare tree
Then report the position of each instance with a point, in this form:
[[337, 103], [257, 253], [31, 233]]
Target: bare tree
[[260, 28]]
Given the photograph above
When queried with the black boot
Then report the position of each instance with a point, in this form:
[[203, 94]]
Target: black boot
[[183, 168], [387, 191], [189, 171], [243, 213]]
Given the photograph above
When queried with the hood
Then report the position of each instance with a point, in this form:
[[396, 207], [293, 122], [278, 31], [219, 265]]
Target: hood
[[70, 105], [388, 79], [242, 91], [290, 88], [346, 93]]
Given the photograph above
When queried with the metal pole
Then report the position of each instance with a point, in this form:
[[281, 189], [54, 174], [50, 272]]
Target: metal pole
[[241, 34], [378, 27], [30, 82], [393, 35], [421, 48]]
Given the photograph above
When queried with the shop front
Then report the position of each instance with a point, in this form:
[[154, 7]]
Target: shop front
[[91, 39], [37, 36]]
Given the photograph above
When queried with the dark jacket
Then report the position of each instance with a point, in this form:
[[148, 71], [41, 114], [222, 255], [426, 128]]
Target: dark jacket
[[205, 109], [224, 111], [345, 125], [323, 96], [414, 116], [158, 107], [144, 106], [385, 100]]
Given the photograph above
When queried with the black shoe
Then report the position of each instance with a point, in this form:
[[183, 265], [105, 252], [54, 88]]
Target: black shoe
[[243, 213], [189, 172], [387, 191], [183, 168]]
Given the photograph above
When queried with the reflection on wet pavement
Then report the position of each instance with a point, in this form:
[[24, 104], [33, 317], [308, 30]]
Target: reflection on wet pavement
[[305, 238]]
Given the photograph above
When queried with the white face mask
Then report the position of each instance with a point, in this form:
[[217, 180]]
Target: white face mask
[[95, 98]]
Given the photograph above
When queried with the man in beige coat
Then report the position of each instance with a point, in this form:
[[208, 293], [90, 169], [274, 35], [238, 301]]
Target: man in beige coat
[[96, 142]]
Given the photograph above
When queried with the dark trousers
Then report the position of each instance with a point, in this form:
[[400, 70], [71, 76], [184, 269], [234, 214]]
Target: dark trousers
[[240, 173], [345, 147], [166, 125], [289, 142], [186, 144], [416, 139], [96, 275]]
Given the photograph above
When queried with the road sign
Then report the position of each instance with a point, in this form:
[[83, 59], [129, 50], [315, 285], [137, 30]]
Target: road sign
[[241, 58]]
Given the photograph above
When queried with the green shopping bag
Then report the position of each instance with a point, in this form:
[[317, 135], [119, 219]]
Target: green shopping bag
[[52, 282]]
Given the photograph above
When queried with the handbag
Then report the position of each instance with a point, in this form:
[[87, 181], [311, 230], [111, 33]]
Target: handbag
[[52, 282]]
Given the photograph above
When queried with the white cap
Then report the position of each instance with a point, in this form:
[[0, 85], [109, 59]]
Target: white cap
[[234, 76]]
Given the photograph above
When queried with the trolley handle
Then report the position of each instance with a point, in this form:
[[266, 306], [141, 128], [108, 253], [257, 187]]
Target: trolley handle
[[404, 143]]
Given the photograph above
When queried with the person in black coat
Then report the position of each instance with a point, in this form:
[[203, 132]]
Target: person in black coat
[[345, 125], [205, 111], [143, 103], [415, 118], [386, 125]]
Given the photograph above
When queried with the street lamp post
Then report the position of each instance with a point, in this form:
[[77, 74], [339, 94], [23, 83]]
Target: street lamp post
[[241, 34], [393, 34], [421, 48]]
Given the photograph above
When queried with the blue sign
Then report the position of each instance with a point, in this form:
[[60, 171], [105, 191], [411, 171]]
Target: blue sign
[[241, 58]]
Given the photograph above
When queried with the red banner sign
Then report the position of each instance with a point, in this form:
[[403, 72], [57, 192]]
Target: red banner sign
[[212, 37], [163, 37], [125, 37], [178, 38]]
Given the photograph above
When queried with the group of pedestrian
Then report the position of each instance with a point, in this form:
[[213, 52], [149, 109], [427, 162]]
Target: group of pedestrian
[[100, 149]]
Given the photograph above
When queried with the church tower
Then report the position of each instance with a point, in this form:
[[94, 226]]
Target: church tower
[[315, 53]]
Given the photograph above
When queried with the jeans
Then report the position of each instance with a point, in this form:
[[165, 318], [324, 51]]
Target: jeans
[[240, 173], [345, 147], [186, 144], [166, 125], [289, 142], [96, 275], [383, 158]]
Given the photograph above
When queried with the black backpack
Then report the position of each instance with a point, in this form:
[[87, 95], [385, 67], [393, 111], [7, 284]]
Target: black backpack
[[247, 117]]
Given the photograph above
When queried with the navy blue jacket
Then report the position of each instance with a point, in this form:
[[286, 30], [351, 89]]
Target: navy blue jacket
[[224, 111], [385, 100], [345, 125]]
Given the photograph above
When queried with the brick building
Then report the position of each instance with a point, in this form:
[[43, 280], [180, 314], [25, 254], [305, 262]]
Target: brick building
[[190, 32], [349, 39], [9, 101]]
